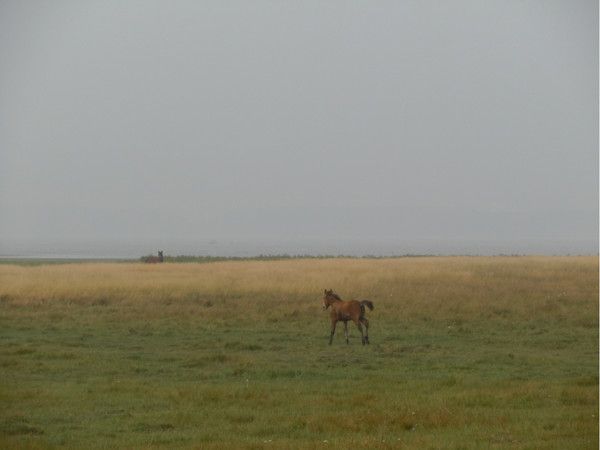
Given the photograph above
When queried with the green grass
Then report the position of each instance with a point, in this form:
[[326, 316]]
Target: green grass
[[469, 362]]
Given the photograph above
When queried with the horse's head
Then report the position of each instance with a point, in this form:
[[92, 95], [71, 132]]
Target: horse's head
[[328, 298]]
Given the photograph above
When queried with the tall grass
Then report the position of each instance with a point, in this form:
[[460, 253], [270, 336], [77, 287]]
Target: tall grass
[[467, 288]]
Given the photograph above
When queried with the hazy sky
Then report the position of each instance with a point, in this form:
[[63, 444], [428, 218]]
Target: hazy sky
[[402, 120]]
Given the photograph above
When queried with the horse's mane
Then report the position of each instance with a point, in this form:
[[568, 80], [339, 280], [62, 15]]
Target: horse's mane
[[334, 295]]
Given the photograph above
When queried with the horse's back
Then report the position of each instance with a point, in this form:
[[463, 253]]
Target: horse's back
[[347, 309]]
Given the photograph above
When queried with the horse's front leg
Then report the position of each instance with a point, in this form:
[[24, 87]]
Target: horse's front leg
[[333, 324], [346, 330]]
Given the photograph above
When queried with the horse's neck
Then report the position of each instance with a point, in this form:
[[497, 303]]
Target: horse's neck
[[335, 301]]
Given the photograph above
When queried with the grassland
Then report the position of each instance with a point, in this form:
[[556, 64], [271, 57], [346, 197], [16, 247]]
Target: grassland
[[465, 353]]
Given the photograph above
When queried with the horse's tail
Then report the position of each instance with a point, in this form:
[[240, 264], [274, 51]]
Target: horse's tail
[[367, 303]]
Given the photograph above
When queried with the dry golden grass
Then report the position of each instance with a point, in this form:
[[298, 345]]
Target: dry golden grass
[[459, 288]]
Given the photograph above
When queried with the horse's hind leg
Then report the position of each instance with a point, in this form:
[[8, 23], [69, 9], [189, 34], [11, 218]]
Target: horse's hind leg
[[333, 324], [362, 336], [346, 331], [366, 324]]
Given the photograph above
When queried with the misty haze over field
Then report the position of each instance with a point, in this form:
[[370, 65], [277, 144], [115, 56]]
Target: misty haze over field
[[245, 128]]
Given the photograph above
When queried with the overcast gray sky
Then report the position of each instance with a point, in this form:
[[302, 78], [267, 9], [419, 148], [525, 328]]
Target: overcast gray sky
[[446, 121]]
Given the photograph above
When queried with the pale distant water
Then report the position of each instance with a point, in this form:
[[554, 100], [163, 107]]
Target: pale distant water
[[121, 248]]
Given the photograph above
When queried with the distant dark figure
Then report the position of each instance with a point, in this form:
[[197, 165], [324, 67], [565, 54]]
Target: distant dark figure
[[154, 259], [345, 311]]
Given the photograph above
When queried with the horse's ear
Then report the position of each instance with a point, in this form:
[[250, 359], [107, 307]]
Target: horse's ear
[[325, 291]]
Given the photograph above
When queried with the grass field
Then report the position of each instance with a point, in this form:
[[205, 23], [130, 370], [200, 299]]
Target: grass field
[[498, 352]]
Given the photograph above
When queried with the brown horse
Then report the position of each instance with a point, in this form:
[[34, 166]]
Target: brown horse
[[345, 311]]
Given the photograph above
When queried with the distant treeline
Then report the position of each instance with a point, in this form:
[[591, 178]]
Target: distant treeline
[[49, 261], [207, 259]]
